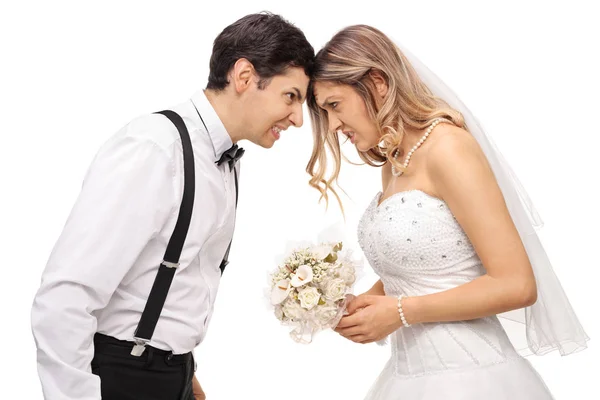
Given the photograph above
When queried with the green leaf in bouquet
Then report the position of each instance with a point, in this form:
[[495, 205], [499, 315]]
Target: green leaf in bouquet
[[338, 247], [321, 301], [331, 258]]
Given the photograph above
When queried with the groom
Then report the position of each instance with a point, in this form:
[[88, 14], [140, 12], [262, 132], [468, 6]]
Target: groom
[[156, 216]]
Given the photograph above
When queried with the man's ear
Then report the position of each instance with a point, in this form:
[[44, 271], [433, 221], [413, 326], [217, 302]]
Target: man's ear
[[242, 75]]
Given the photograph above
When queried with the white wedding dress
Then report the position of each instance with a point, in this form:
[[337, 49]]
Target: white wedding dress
[[416, 246]]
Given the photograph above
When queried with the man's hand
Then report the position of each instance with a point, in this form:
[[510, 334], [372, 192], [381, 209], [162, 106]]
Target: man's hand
[[197, 390]]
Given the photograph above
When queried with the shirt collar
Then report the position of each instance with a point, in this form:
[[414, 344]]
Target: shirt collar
[[221, 141]]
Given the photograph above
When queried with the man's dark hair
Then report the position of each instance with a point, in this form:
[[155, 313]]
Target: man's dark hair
[[268, 41]]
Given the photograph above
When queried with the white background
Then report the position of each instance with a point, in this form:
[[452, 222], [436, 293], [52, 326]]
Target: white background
[[74, 72]]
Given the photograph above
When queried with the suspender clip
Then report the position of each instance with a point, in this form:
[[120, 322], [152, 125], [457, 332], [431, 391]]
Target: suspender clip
[[140, 346], [170, 264]]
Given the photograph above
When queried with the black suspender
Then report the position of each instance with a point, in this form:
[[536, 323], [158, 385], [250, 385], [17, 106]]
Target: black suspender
[[166, 271]]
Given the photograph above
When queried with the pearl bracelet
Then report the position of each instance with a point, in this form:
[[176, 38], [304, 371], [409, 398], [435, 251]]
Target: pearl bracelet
[[402, 318]]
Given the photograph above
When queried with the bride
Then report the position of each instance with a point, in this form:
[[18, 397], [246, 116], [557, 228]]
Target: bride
[[451, 234]]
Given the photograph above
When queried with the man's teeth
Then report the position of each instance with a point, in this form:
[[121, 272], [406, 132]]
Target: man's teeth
[[276, 129]]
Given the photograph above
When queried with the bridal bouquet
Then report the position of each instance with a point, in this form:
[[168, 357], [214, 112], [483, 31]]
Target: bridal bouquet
[[309, 288]]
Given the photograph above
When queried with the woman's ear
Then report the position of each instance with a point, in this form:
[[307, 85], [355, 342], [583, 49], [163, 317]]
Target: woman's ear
[[379, 82]]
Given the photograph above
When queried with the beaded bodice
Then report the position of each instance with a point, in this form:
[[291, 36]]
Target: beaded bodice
[[416, 246]]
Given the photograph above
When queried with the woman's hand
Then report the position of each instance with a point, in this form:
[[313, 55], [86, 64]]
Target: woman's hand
[[371, 318]]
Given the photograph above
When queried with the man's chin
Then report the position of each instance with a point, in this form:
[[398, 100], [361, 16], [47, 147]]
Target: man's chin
[[264, 141], [267, 141]]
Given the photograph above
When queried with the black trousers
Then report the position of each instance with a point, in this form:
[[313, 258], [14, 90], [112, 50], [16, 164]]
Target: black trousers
[[155, 375]]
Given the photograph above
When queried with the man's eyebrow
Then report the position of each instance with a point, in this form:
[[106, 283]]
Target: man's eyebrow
[[298, 94]]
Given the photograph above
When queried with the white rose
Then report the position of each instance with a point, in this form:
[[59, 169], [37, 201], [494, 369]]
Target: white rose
[[326, 312], [292, 309], [346, 273], [335, 289], [309, 297]]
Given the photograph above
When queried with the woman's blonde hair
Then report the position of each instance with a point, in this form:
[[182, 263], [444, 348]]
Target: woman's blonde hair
[[349, 58]]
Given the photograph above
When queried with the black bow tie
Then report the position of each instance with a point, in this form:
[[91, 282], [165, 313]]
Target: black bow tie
[[232, 155]]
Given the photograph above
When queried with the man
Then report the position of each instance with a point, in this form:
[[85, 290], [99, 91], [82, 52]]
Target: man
[[99, 332]]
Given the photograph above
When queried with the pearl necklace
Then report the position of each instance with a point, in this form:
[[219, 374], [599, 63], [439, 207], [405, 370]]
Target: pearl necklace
[[415, 147]]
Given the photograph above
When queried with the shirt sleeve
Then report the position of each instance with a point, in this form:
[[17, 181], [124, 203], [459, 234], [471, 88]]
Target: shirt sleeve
[[127, 196]]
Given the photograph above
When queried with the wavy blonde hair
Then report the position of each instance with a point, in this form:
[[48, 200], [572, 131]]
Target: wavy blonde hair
[[348, 59]]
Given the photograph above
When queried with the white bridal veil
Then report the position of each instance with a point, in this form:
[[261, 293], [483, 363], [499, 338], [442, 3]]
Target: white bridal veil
[[550, 324]]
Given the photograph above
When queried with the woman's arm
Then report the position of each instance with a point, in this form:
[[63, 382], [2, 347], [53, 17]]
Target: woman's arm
[[463, 179]]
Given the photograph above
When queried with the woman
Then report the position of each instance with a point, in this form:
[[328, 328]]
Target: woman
[[449, 233]]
